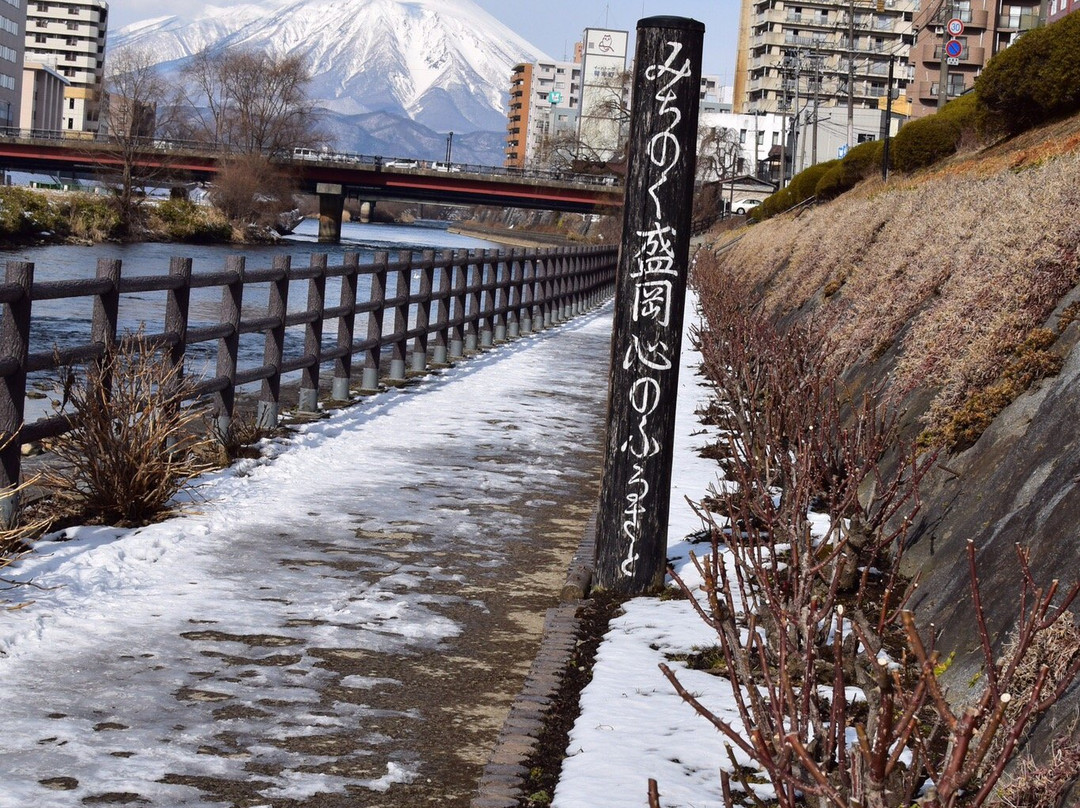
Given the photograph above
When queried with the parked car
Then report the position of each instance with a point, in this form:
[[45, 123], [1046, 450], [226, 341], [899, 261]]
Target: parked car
[[745, 205]]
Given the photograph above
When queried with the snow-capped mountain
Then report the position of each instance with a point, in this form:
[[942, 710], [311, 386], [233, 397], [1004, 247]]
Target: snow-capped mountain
[[445, 64]]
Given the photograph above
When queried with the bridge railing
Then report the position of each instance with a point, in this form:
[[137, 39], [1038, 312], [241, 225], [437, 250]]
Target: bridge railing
[[420, 310]]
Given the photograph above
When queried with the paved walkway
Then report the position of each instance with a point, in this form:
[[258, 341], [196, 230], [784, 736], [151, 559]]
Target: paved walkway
[[306, 645]]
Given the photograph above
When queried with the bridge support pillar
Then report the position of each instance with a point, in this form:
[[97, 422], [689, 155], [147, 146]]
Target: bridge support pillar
[[331, 208], [367, 210]]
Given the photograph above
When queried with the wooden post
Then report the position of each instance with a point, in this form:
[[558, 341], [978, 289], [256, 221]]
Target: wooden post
[[460, 269], [369, 379], [474, 276], [528, 294], [423, 312], [177, 308], [401, 316], [316, 302], [440, 353], [274, 346], [489, 269], [346, 328], [513, 295], [232, 300], [632, 522], [14, 345], [103, 323]]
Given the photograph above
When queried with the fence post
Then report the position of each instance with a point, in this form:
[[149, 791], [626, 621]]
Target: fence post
[[177, 307], [401, 316], [461, 281], [632, 522], [369, 379], [528, 284], [489, 267], [423, 311], [346, 328], [440, 353], [274, 346], [513, 295], [14, 345], [473, 281], [232, 300], [316, 301], [103, 323]]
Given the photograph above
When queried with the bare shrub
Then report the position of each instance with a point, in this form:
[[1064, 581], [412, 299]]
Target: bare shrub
[[803, 615], [130, 446]]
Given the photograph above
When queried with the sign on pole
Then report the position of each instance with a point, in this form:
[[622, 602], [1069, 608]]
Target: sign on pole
[[953, 48], [631, 533], [955, 26]]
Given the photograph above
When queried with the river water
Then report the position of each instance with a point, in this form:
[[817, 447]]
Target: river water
[[65, 323]]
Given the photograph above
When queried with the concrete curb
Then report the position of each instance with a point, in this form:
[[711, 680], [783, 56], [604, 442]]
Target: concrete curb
[[502, 785]]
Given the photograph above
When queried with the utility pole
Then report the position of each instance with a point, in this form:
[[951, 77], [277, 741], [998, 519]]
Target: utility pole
[[851, 76], [888, 122], [943, 76], [817, 65]]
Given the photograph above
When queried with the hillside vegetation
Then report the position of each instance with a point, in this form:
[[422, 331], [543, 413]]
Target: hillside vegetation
[[951, 293]]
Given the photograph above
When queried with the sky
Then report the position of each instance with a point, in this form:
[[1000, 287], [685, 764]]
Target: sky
[[551, 25]]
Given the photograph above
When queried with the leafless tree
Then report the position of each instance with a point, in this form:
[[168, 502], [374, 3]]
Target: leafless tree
[[139, 104], [250, 101], [253, 106], [719, 156]]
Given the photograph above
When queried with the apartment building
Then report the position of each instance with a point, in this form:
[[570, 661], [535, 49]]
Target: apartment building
[[69, 36], [798, 53], [12, 20], [980, 29], [545, 101]]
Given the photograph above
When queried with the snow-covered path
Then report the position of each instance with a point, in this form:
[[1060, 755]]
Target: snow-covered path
[[344, 622]]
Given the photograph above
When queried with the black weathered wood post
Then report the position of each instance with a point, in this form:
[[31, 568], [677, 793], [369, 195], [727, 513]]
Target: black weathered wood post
[[346, 328], [232, 303], [460, 269], [316, 302], [423, 312], [402, 297], [631, 532], [369, 379], [277, 305], [14, 346], [440, 354], [103, 322]]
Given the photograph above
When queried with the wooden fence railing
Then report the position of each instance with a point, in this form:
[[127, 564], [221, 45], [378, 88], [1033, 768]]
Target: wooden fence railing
[[419, 311]]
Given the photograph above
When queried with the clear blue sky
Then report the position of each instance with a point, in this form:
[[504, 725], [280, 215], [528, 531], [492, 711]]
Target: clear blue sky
[[551, 25]]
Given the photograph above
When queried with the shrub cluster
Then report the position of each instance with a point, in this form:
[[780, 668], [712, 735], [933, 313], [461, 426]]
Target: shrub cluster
[[926, 140], [860, 162], [1036, 79], [839, 699], [25, 213], [183, 220]]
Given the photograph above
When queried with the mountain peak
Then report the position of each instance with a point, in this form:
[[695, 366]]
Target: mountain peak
[[443, 63]]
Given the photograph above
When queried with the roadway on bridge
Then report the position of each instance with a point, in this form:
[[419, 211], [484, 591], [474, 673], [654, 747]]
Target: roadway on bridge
[[343, 624]]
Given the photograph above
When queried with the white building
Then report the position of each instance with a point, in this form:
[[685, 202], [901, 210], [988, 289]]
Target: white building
[[761, 138], [70, 37], [604, 93], [12, 19], [545, 101], [42, 98]]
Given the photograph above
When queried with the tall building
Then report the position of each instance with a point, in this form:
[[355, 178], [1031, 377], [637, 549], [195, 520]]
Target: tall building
[[545, 100], [982, 29], [806, 53], [12, 19], [69, 36]]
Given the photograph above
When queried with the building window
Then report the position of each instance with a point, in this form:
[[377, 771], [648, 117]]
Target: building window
[[71, 103]]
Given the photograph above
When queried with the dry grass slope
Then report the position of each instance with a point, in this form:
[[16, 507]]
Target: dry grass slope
[[955, 270]]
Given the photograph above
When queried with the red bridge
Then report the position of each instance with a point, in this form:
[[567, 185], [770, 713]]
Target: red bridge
[[332, 176]]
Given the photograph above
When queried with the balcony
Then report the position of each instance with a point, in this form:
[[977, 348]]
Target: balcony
[[1018, 22]]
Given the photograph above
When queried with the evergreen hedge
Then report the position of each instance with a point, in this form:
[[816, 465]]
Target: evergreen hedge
[[1035, 79]]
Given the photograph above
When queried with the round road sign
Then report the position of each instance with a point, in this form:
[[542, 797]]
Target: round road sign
[[954, 47], [955, 26]]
